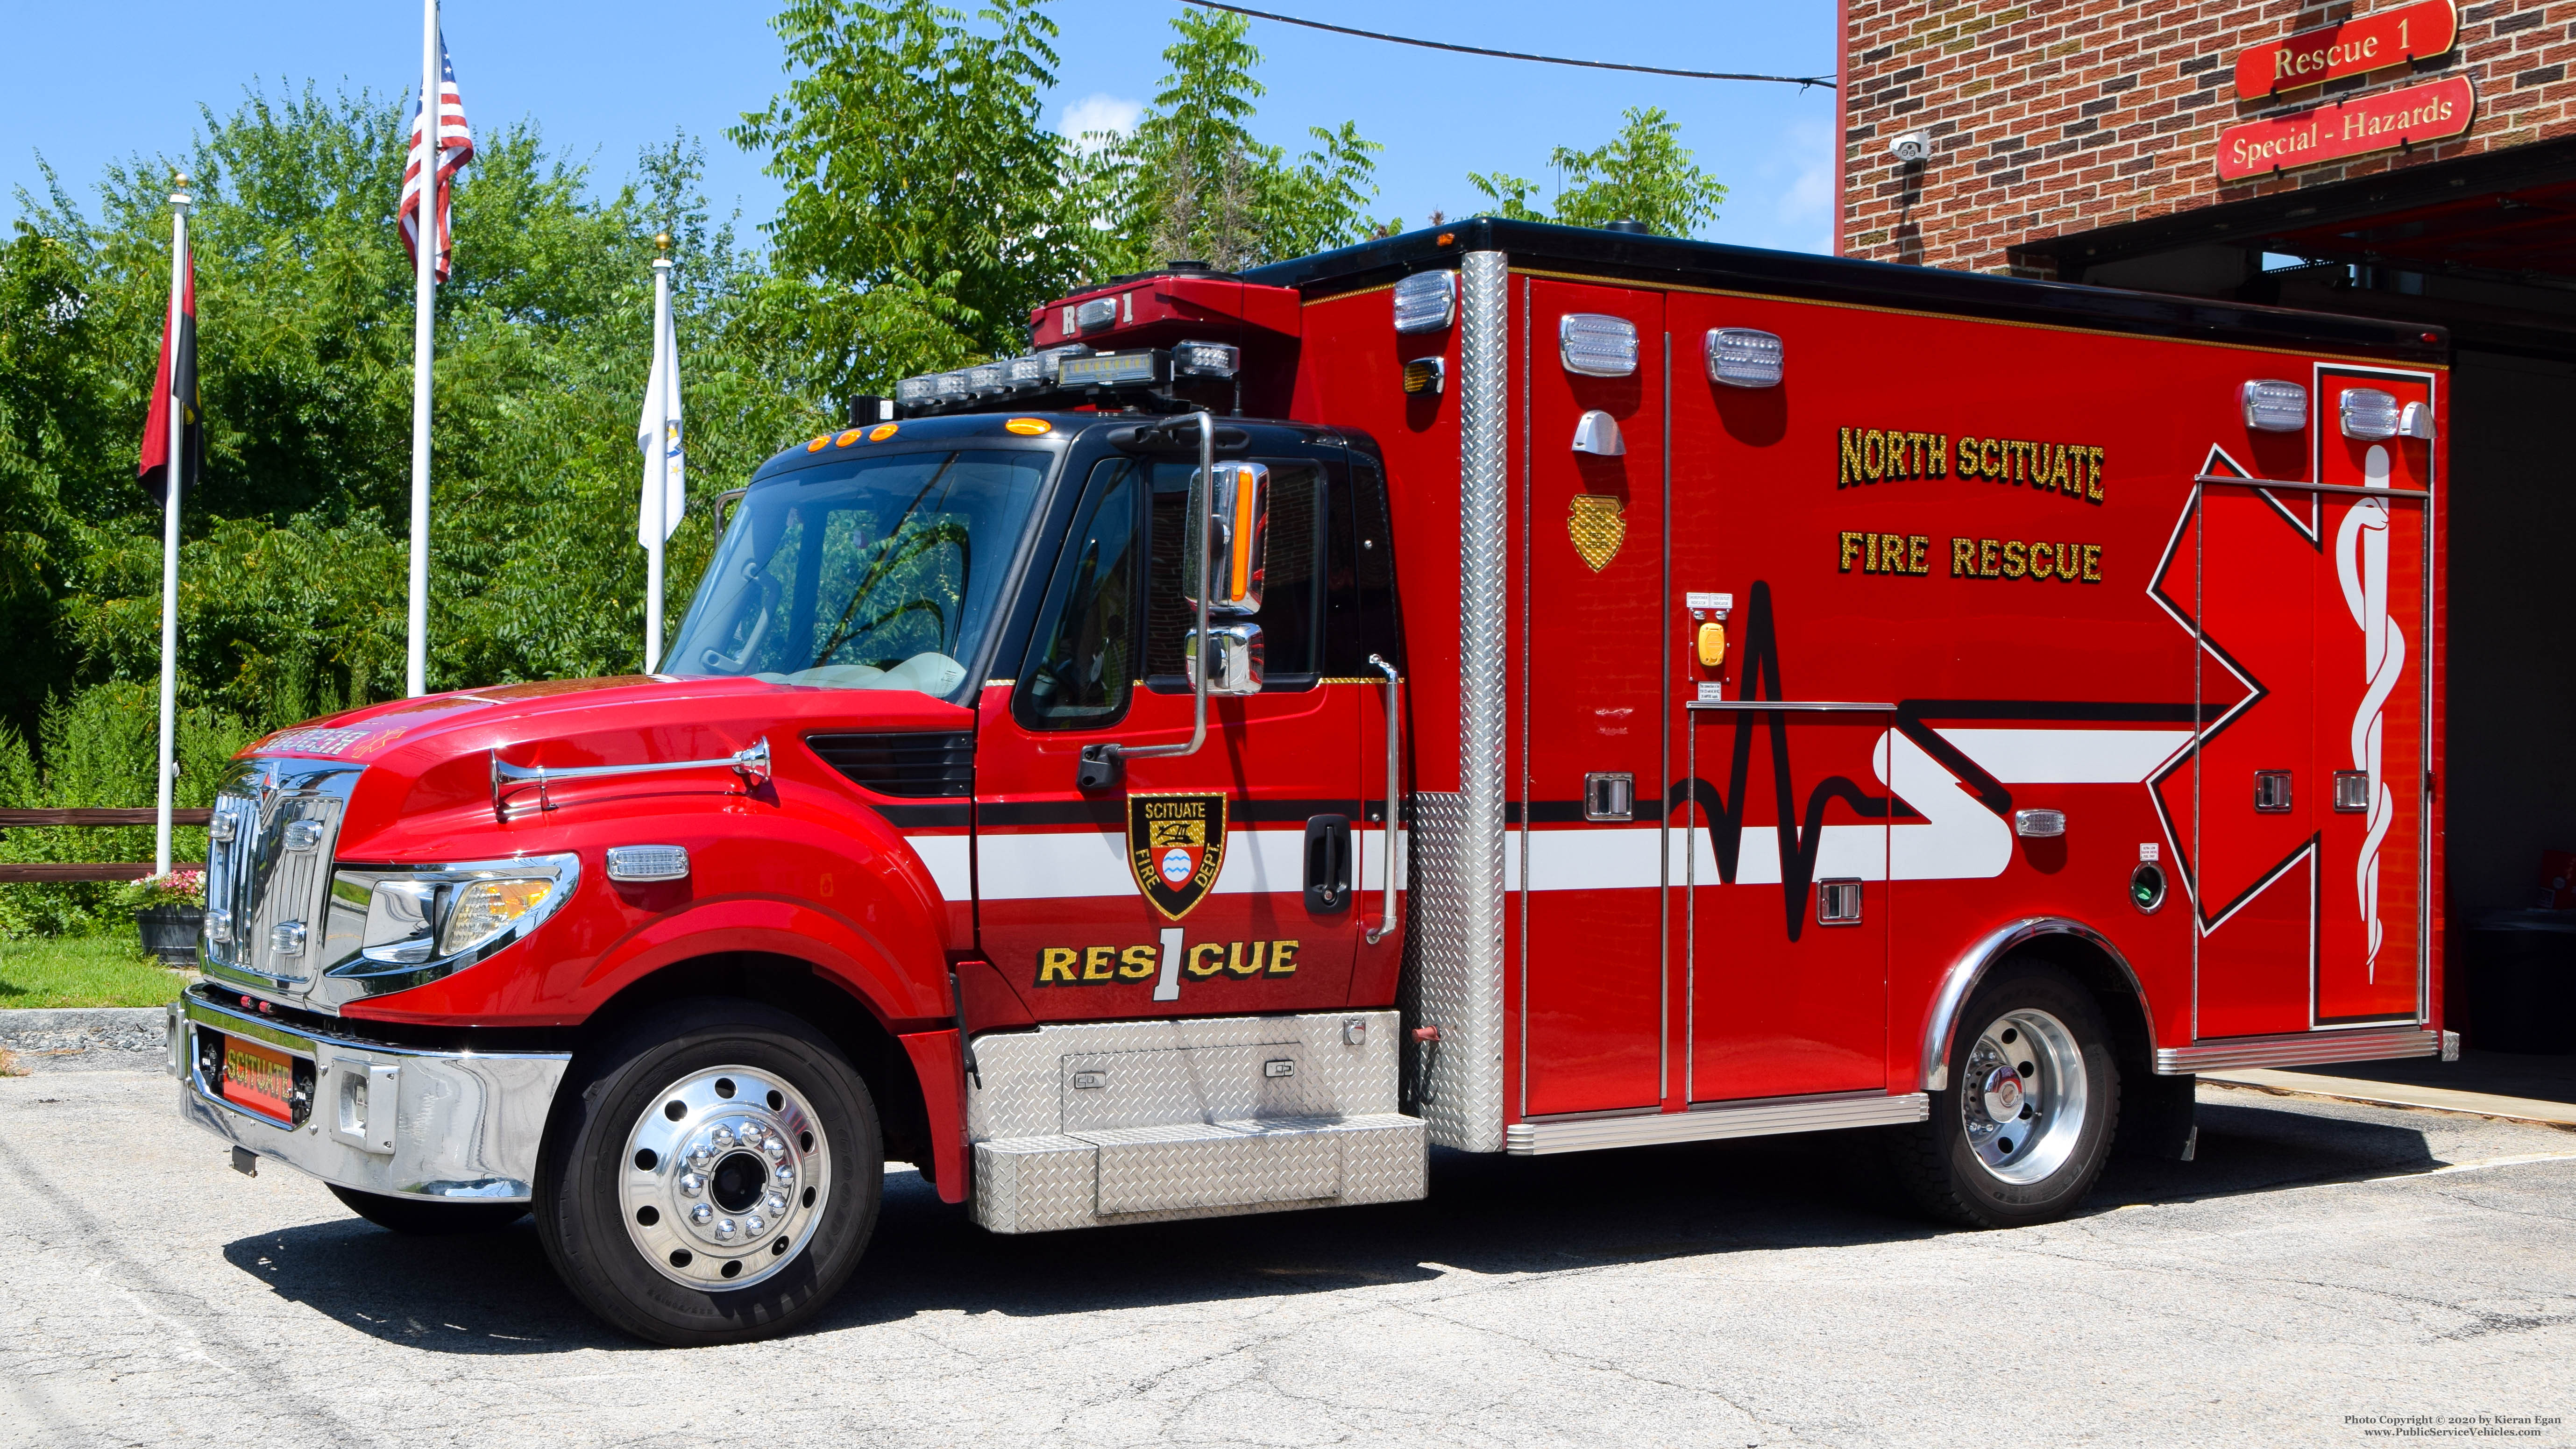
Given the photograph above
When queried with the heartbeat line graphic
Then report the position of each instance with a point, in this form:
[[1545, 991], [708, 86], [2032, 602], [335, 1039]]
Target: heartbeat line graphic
[[1931, 766]]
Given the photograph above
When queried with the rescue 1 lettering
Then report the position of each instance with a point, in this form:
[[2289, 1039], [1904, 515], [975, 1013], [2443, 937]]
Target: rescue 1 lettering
[[1105, 965], [1880, 455]]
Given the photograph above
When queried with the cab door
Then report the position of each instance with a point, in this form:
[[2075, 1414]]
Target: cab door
[[1183, 888]]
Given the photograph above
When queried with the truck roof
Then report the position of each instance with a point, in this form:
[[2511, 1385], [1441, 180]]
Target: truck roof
[[1233, 434], [1714, 266]]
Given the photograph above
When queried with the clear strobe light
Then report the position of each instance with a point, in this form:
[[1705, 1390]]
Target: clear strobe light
[[2275, 407], [1595, 344], [1206, 359], [1095, 314], [1426, 301], [2368, 413], [916, 389], [986, 378], [1742, 357]]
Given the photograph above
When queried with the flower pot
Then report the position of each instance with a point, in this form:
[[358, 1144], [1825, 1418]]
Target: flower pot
[[170, 932]]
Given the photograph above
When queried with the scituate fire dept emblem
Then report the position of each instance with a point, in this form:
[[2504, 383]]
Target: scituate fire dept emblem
[[1175, 846]]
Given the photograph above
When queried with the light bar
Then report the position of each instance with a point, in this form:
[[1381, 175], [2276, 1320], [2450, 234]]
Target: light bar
[[987, 379], [916, 389], [1095, 314], [1110, 369], [949, 386], [1206, 359], [1426, 301], [1594, 344], [2275, 407], [1742, 357], [2368, 413]]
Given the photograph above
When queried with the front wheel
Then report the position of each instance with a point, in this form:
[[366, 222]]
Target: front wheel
[[713, 1175], [2025, 1122]]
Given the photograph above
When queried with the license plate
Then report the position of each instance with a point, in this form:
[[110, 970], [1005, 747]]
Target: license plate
[[259, 1079]]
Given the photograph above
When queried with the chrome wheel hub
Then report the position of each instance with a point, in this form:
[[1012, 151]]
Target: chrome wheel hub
[[725, 1176], [2023, 1096]]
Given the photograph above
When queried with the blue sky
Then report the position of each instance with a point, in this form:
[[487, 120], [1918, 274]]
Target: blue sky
[[605, 80]]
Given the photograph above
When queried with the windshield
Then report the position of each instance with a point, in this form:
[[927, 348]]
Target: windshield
[[880, 573]]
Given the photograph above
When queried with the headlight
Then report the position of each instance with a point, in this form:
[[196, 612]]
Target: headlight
[[419, 923]]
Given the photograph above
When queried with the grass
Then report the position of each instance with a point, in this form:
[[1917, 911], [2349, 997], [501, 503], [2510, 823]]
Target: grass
[[83, 971]]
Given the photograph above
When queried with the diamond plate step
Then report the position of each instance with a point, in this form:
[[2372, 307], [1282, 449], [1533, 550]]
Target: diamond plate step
[[1198, 1169]]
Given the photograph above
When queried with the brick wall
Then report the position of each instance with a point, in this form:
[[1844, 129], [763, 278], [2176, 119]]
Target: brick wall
[[2058, 116]]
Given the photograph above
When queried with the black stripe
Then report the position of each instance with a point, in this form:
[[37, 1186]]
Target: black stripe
[[928, 817], [2140, 712]]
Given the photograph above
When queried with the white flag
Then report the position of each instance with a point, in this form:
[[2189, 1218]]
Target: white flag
[[657, 435]]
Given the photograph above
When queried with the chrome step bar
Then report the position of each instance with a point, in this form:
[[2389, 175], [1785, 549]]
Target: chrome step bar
[[1760, 1118], [2307, 1049]]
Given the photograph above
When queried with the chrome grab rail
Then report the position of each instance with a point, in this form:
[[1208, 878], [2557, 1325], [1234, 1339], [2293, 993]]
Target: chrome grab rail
[[751, 763], [1394, 810]]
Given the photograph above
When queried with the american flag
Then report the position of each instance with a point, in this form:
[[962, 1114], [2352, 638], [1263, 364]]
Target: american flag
[[455, 148]]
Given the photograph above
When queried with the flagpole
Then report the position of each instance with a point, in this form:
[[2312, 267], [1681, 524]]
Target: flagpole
[[424, 310], [175, 449], [657, 494]]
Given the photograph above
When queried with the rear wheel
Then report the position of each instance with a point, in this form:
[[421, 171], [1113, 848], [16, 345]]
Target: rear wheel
[[2025, 1123], [423, 1217], [712, 1176]]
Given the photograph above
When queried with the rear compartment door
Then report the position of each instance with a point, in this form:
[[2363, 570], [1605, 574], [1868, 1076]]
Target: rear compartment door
[[2308, 807]]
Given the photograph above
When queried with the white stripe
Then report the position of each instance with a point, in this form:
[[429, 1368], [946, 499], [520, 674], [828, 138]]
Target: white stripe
[[2069, 757], [950, 861], [1071, 864]]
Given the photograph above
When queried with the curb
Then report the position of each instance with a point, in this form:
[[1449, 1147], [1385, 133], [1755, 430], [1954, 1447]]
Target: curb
[[59, 1030], [2454, 1102]]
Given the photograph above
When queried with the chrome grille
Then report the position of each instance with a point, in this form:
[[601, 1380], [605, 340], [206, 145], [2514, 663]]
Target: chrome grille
[[268, 867]]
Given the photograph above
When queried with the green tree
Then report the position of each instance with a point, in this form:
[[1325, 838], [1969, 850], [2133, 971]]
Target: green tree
[[1193, 181], [1642, 174], [928, 205]]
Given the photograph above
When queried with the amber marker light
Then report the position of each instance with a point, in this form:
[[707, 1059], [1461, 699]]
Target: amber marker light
[[1029, 427], [846, 439], [816, 446], [881, 432]]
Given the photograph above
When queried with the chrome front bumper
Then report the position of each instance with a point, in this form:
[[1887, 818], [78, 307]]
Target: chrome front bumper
[[383, 1119]]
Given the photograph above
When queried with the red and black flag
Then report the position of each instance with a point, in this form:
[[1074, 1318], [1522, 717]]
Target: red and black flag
[[157, 456]]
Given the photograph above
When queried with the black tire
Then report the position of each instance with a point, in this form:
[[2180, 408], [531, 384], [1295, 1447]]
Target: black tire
[[590, 1178], [422, 1217], [1982, 1167]]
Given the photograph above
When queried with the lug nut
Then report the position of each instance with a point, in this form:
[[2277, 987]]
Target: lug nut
[[700, 1158], [755, 1225], [774, 1205], [725, 1230], [783, 1175], [692, 1184], [722, 1138], [702, 1214]]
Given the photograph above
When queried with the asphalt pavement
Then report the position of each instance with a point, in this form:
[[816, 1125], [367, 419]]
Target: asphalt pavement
[[2325, 1273]]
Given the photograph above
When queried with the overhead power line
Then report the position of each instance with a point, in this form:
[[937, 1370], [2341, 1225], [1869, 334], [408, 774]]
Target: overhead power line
[[1800, 81]]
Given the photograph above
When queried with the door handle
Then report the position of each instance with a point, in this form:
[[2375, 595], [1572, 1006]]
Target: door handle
[[1328, 863]]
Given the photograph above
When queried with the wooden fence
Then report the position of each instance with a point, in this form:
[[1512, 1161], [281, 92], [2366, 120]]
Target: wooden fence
[[51, 871]]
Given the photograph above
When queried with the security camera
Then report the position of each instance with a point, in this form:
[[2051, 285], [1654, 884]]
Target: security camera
[[1911, 148]]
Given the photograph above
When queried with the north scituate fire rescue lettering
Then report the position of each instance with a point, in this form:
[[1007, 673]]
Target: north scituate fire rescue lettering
[[1887, 455]]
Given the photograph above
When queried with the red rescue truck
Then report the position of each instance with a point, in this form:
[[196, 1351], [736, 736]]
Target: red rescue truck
[[1504, 687]]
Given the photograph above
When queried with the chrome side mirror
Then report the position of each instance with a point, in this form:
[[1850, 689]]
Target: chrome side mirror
[[1237, 650], [1236, 510]]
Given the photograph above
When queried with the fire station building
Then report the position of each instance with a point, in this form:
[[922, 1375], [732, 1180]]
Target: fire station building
[[2404, 159]]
